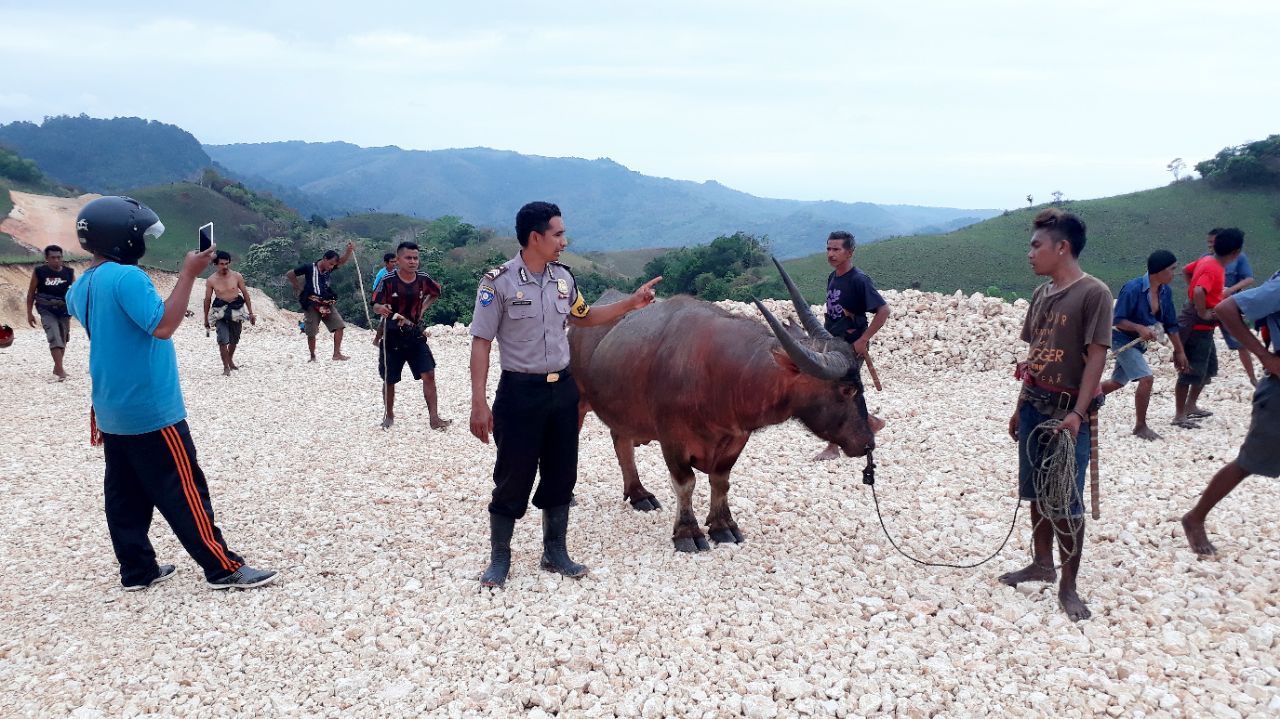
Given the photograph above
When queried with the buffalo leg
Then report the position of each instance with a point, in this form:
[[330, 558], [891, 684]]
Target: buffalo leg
[[688, 536], [720, 522], [632, 490]]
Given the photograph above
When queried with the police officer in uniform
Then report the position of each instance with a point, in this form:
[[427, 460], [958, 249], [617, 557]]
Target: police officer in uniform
[[527, 304]]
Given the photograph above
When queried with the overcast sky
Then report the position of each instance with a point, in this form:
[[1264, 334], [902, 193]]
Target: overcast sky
[[967, 104]]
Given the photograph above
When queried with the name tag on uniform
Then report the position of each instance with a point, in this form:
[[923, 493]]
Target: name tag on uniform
[[521, 303]]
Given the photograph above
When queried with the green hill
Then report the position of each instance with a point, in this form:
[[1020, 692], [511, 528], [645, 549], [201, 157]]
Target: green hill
[[1122, 231], [183, 208], [107, 156]]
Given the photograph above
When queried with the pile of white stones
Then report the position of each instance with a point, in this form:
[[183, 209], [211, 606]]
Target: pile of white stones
[[380, 537]]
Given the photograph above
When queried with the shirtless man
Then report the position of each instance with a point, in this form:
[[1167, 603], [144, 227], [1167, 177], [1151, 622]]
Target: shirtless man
[[226, 293]]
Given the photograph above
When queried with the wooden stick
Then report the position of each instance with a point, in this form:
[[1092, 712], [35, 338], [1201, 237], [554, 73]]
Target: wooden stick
[[871, 368], [1093, 465]]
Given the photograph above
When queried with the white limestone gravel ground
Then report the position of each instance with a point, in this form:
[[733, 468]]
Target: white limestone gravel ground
[[380, 537]]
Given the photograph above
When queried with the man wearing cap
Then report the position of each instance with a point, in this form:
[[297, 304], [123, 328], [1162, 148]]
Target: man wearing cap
[[526, 305], [1144, 303]]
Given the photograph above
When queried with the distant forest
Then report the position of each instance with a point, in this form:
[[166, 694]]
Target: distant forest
[[107, 156]]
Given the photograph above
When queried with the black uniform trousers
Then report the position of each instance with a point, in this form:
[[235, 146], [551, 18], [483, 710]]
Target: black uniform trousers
[[158, 470], [535, 426]]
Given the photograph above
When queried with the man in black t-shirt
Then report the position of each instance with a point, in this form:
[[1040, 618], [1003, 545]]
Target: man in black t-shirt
[[400, 298], [48, 294], [850, 297], [319, 303]]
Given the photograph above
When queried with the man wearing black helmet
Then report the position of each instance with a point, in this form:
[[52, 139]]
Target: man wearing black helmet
[[137, 402]]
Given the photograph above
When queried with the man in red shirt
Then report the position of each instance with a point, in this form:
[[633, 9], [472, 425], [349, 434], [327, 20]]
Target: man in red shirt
[[1205, 278], [401, 298]]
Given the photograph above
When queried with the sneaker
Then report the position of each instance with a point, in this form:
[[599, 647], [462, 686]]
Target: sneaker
[[245, 577], [166, 573]]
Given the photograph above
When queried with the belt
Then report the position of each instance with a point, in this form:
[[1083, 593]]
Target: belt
[[535, 377], [1060, 400]]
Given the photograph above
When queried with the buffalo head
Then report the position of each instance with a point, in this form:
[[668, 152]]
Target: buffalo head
[[835, 408]]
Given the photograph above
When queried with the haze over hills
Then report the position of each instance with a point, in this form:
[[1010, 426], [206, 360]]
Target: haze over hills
[[609, 207]]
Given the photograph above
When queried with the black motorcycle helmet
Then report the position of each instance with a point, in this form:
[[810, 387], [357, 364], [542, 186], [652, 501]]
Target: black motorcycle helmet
[[117, 228]]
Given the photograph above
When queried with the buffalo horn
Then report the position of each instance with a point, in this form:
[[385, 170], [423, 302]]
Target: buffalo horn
[[811, 323], [831, 365]]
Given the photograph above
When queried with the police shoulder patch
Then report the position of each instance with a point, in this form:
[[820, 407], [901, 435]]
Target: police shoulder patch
[[486, 295], [493, 274]]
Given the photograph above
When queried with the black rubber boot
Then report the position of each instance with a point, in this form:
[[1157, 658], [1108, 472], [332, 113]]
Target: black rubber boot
[[500, 530], [555, 554]]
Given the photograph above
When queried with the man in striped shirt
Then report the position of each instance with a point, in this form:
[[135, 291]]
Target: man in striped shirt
[[400, 298]]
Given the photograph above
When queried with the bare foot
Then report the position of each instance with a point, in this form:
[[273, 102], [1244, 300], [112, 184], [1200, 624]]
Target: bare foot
[[313, 358], [1197, 537], [1031, 573], [876, 423], [441, 424], [60, 374], [388, 420], [830, 453], [375, 341], [1145, 432], [226, 371], [1073, 605], [340, 358], [235, 366]]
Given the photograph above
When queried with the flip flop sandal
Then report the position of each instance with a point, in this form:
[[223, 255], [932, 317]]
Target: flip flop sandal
[[1185, 424], [1199, 414]]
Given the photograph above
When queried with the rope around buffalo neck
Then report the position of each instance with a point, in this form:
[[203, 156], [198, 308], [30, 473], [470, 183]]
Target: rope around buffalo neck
[[1054, 482]]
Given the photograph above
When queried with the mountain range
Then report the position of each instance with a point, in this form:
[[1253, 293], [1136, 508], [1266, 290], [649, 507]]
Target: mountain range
[[607, 206]]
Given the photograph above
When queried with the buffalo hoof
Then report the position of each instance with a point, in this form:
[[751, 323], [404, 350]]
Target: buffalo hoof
[[692, 544], [726, 535], [645, 504]]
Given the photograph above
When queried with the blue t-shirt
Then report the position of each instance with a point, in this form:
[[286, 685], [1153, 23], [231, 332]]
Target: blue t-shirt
[[382, 272], [135, 375], [1134, 304], [1262, 304]]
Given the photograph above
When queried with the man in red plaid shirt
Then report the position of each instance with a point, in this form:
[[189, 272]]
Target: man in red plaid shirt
[[401, 298]]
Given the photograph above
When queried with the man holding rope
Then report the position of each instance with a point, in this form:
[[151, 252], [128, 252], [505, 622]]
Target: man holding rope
[[400, 298], [1068, 326], [1144, 302], [1260, 453], [319, 303]]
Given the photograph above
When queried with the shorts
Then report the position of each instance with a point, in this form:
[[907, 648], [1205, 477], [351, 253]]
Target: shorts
[[1202, 356], [1131, 365], [228, 332], [394, 356], [312, 320], [1028, 456], [1260, 453], [1232, 342], [57, 330]]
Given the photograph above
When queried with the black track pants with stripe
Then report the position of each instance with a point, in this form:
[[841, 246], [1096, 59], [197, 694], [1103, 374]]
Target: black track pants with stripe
[[158, 470]]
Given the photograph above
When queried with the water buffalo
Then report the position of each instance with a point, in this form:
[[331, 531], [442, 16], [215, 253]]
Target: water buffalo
[[700, 380]]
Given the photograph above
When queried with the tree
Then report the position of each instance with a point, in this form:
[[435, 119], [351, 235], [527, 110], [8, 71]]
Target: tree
[[1030, 200], [1176, 166], [1057, 197]]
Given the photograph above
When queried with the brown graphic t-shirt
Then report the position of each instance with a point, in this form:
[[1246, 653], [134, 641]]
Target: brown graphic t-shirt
[[1060, 325]]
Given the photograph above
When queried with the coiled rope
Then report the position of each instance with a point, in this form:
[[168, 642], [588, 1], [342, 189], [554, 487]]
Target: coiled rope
[[1054, 479]]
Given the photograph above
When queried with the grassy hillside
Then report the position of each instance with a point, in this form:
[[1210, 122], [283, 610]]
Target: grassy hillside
[[1123, 230], [183, 208]]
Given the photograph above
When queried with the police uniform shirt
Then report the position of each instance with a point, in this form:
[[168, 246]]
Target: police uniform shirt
[[528, 318]]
